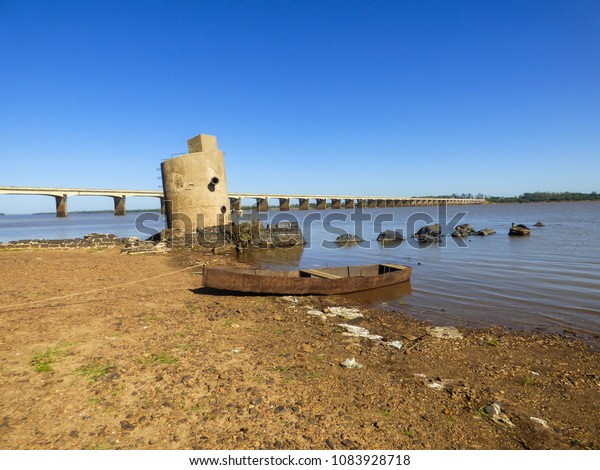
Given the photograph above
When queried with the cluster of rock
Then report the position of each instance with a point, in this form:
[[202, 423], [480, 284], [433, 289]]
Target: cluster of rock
[[240, 236], [433, 232], [429, 234], [390, 236], [466, 230], [134, 246], [385, 236], [92, 240], [348, 239]]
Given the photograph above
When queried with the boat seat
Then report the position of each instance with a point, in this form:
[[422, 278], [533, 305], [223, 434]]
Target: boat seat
[[319, 273], [393, 266]]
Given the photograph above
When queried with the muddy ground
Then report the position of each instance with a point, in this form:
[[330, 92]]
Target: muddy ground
[[147, 359]]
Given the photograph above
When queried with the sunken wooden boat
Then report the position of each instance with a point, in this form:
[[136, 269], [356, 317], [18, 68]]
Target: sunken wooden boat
[[322, 281]]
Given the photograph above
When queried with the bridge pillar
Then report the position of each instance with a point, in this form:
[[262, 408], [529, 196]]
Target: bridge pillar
[[336, 203], [371, 203], [61, 205], [235, 203], [303, 204], [262, 204], [380, 202], [284, 204], [349, 203], [390, 203], [361, 203], [321, 204], [119, 205]]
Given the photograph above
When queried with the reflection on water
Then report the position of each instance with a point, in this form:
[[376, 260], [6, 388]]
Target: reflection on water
[[277, 258], [548, 280]]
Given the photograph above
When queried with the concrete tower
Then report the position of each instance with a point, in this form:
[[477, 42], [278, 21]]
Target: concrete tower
[[195, 188]]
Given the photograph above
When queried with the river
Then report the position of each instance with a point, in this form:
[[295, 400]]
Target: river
[[548, 281]]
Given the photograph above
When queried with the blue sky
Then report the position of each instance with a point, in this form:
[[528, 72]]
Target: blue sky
[[395, 98]]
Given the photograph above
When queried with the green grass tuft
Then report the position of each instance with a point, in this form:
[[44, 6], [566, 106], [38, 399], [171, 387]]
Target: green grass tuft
[[42, 361], [94, 370], [161, 358]]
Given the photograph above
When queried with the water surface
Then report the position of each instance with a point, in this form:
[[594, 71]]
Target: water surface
[[550, 280]]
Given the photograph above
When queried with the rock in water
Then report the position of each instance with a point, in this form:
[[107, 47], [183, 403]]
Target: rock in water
[[485, 232], [429, 233], [390, 236], [347, 238]]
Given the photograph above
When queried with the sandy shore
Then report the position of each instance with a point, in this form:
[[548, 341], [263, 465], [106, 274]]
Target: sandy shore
[[146, 359]]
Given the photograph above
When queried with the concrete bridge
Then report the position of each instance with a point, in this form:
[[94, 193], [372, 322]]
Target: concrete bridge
[[321, 201], [61, 194]]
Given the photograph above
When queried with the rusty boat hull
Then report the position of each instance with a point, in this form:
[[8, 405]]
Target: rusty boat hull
[[340, 280]]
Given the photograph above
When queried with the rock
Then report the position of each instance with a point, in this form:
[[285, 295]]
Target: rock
[[465, 227], [435, 230], [460, 233], [519, 230], [127, 426], [390, 236], [485, 232], [539, 224], [348, 443], [429, 234], [348, 239], [330, 444], [279, 410], [445, 332], [396, 344], [463, 230]]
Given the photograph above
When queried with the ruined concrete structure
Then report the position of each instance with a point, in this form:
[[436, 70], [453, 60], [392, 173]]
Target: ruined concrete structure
[[195, 188]]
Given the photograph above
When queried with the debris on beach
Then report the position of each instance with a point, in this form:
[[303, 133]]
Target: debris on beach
[[494, 411], [330, 312], [541, 421], [345, 313], [436, 385], [351, 364], [396, 344], [359, 331], [135, 246], [445, 332]]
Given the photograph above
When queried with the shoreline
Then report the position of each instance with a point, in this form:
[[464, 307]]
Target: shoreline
[[161, 363], [102, 241]]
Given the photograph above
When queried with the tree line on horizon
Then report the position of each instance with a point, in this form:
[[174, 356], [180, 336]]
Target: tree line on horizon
[[538, 196]]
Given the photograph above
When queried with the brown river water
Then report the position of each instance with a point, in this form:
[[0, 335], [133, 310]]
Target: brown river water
[[549, 281]]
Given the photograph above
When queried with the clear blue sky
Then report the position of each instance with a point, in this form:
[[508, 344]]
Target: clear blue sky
[[393, 98]]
